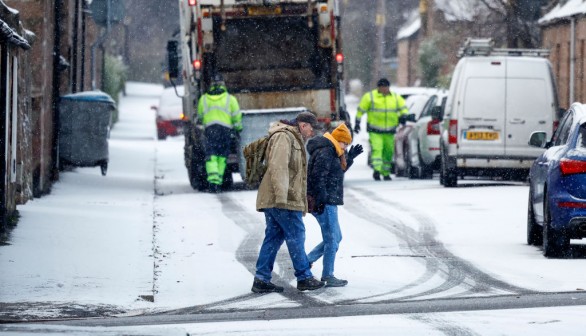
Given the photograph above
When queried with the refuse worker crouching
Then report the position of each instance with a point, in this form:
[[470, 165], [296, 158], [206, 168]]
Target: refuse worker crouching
[[282, 196]]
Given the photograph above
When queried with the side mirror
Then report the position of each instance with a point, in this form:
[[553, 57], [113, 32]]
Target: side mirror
[[437, 113], [154, 107], [538, 139], [173, 58]]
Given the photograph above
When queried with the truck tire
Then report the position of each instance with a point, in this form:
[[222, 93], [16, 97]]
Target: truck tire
[[228, 181], [534, 231]]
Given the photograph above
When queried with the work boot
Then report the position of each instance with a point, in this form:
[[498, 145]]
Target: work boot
[[387, 178], [259, 286], [376, 176], [309, 284], [215, 188], [332, 281]]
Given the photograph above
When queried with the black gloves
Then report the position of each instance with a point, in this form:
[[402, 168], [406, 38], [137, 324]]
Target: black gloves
[[402, 119], [357, 126], [354, 151]]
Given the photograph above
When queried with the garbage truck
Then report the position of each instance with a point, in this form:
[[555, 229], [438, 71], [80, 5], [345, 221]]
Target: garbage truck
[[277, 58]]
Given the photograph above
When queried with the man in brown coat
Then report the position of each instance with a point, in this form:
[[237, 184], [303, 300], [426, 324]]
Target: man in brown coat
[[282, 196]]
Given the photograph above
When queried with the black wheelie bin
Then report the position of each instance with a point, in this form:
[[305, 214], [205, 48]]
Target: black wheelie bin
[[84, 129]]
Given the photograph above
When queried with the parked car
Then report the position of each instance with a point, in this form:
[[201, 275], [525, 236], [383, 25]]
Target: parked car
[[557, 185], [415, 103], [170, 118], [423, 154], [497, 97]]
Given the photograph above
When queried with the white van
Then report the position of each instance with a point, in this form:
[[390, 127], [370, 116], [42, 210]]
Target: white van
[[497, 98]]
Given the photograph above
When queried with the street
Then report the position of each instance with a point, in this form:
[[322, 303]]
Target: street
[[141, 242]]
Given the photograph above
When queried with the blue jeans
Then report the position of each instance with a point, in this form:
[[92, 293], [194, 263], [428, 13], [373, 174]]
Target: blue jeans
[[332, 236], [283, 225]]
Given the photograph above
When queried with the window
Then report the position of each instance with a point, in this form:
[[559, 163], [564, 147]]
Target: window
[[561, 135]]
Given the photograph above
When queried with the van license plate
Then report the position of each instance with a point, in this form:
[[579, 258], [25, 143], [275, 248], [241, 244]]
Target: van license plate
[[474, 135]]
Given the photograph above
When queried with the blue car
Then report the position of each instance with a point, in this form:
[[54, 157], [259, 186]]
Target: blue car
[[557, 186]]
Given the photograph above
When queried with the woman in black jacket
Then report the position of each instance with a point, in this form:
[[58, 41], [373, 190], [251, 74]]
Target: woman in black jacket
[[325, 189]]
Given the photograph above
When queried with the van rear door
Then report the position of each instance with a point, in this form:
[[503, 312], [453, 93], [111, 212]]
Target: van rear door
[[481, 118], [530, 104]]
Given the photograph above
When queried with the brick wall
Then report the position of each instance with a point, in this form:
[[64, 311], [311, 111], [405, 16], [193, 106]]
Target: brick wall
[[556, 38]]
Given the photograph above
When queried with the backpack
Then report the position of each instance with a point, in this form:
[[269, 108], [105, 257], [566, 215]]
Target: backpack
[[254, 154], [256, 165]]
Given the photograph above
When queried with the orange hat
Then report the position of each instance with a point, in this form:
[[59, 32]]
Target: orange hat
[[342, 134]]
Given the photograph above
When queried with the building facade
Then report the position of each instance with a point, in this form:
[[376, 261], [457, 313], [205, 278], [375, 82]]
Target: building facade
[[564, 34]]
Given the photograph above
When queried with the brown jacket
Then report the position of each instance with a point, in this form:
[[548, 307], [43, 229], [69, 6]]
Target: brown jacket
[[284, 184]]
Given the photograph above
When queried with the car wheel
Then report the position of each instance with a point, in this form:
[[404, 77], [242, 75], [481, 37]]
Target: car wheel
[[534, 231], [161, 135], [410, 171], [450, 176], [426, 170], [555, 242]]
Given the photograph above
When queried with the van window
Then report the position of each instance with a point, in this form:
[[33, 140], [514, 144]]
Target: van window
[[428, 107], [484, 97]]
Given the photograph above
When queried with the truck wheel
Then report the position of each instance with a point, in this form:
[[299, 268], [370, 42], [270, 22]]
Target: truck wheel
[[228, 181], [104, 167], [534, 232], [555, 242]]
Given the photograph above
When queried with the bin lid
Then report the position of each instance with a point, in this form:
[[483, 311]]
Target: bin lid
[[94, 96]]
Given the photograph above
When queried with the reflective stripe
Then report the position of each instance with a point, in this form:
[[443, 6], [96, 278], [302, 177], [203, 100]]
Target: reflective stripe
[[386, 110], [361, 110], [218, 122]]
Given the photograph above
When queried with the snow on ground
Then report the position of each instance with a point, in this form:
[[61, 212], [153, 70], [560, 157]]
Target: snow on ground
[[107, 240]]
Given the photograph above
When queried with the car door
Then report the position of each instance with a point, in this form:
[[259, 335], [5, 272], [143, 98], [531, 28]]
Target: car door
[[529, 105], [541, 165]]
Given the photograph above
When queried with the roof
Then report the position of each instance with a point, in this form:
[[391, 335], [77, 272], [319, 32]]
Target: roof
[[564, 11], [461, 10], [411, 27]]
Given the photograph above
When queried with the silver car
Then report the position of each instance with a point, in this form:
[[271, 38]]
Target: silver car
[[423, 150]]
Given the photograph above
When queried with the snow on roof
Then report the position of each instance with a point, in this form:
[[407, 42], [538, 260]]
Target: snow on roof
[[570, 8], [411, 26]]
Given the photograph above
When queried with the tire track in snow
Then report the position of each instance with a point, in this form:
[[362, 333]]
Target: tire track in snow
[[456, 271], [246, 254]]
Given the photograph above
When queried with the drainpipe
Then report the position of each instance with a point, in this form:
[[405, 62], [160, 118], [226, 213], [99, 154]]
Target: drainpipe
[[75, 42], [4, 140], [572, 57], [55, 92]]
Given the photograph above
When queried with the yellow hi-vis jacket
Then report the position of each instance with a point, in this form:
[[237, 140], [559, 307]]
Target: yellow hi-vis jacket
[[222, 109], [382, 111]]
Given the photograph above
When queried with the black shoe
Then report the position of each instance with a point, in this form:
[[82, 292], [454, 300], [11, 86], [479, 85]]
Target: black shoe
[[332, 281], [310, 284], [376, 176], [387, 178], [259, 286]]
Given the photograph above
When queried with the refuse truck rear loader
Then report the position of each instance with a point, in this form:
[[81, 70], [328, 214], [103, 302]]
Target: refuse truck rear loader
[[277, 58]]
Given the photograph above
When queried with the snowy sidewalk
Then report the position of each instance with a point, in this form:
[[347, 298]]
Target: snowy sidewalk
[[90, 241]]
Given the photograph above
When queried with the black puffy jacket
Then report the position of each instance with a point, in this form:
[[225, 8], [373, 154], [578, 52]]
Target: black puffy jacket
[[325, 176]]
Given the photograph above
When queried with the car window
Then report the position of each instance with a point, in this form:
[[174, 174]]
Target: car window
[[563, 132], [427, 109], [581, 137]]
